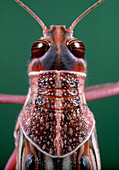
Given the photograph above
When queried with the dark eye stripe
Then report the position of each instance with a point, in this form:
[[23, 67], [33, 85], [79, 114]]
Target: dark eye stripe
[[76, 47], [39, 48]]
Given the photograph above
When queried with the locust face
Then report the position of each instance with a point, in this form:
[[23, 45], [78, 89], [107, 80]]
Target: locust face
[[57, 50]]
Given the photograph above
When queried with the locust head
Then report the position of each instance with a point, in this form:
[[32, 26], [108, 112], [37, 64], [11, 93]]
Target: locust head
[[58, 49]]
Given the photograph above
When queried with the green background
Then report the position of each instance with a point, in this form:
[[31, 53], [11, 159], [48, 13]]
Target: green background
[[99, 31]]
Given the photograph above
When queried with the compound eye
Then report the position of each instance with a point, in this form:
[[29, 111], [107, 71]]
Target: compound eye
[[76, 47], [39, 48]]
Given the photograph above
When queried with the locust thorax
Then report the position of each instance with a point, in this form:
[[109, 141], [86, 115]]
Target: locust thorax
[[58, 96], [63, 85], [56, 109]]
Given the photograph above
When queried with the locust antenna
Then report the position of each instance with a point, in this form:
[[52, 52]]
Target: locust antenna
[[84, 14], [32, 14]]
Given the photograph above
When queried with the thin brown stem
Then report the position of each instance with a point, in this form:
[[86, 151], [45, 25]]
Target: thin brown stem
[[91, 93]]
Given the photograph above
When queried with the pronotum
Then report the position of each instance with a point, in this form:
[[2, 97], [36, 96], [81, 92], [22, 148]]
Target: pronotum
[[56, 129]]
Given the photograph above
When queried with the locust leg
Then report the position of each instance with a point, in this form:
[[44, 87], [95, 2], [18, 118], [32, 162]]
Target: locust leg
[[11, 164], [102, 91], [9, 99]]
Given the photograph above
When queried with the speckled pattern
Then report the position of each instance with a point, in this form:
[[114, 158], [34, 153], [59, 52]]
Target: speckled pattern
[[55, 117]]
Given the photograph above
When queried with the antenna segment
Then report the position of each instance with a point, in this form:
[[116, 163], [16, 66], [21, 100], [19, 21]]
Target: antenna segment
[[85, 13], [32, 14]]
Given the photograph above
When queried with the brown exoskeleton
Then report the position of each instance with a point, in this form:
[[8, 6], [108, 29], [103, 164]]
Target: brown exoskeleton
[[56, 129]]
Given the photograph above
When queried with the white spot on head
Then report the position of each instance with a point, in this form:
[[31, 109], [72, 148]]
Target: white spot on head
[[47, 125], [77, 128], [41, 120], [41, 128], [36, 132], [50, 137], [44, 132], [51, 151], [65, 142], [65, 136], [69, 148], [74, 116], [80, 139], [77, 45], [74, 139], [35, 139], [40, 45], [71, 131], [70, 140], [48, 143], [44, 146]]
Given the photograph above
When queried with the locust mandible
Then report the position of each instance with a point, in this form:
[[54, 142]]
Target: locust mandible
[[56, 129]]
